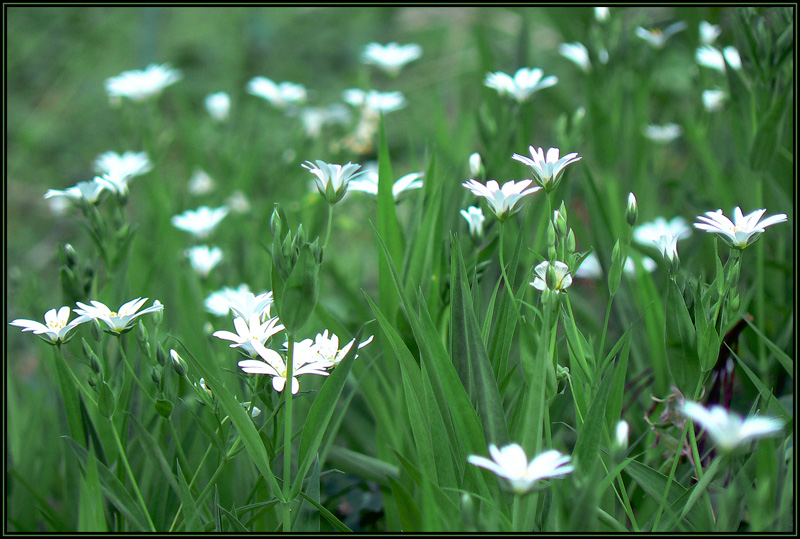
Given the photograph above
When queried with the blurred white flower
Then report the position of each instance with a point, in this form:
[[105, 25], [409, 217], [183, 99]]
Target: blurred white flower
[[590, 268], [249, 331], [647, 233], [200, 222], [475, 164], [709, 32], [117, 322], [274, 365], [713, 58], [713, 100], [562, 275], [503, 202], [126, 166], [200, 183], [729, 429], [602, 14], [368, 183], [523, 85], [203, 259], [668, 245], [218, 105], [332, 180], [374, 100], [237, 202], [57, 328], [240, 301], [743, 231], [83, 191], [621, 434], [577, 53], [510, 462], [139, 85], [658, 38], [392, 57], [663, 133], [547, 169], [280, 95], [475, 218]]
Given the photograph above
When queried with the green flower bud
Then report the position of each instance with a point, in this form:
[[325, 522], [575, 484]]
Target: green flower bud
[[571, 241], [158, 316], [161, 355], [141, 334], [615, 273], [632, 212], [155, 376], [551, 234], [178, 363]]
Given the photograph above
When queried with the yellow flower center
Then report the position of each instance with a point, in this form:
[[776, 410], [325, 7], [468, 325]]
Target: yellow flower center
[[113, 314], [57, 325]]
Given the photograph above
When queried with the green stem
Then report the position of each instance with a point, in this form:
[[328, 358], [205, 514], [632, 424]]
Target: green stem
[[330, 225], [131, 371], [506, 281], [287, 440], [127, 466]]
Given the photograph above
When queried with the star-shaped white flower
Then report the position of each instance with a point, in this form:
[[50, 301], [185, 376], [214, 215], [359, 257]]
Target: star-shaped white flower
[[510, 462], [368, 183], [126, 165], [475, 218], [120, 321], [577, 53], [392, 57], [204, 258], [743, 231], [324, 349], [138, 85], [82, 191], [547, 168], [714, 99], [663, 133], [709, 32], [239, 301], [281, 95], [503, 202], [647, 233], [658, 38], [590, 268], [272, 364], [332, 180], [218, 105], [523, 85], [200, 222], [57, 328], [250, 332], [374, 100], [563, 277], [728, 429]]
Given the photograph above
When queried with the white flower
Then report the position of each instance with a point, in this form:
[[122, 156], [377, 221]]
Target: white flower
[[203, 259], [274, 365], [82, 191], [728, 429], [392, 57], [714, 99], [577, 53], [523, 85], [647, 233], [237, 202], [668, 245], [602, 14], [117, 322], [56, 330], [711, 57], [590, 267], [622, 431], [368, 183], [200, 222], [511, 463], [663, 133], [743, 231], [127, 165], [475, 218], [709, 32], [562, 275], [280, 95], [315, 118], [475, 164], [200, 183], [218, 105], [332, 180], [503, 202], [324, 349], [138, 85], [374, 100], [219, 302], [248, 333], [547, 169], [658, 38]]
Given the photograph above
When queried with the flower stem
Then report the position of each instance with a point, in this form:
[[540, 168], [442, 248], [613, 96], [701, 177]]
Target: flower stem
[[330, 225], [131, 371], [127, 466], [287, 440], [506, 281]]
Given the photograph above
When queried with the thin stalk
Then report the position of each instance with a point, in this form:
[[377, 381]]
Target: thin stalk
[[194, 478], [85, 392], [127, 466], [506, 281], [287, 440], [330, 225], [131, 371]]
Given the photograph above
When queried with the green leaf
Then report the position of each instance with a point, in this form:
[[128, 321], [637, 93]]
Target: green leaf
[[301, 291], [681, 342], [308, 518], [233, 521], [587, 448], [410, 517], [786, 362], [153, 452], [617, 392], [470, 356], [114, 491], [191, 517], [364, 466], [388, 228], [337, 524], [91, 517]]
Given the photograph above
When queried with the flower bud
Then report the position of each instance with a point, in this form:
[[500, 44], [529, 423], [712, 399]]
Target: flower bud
[[632, 212], [552, 278], [141, 334], [70, 255], [155, 376], [475, 165], [178, 363], [622, 432], [735, 302], [571, 241], [161, 355], [615, 274], [95, 330], [560, 221], [275, 224], [551, 234], [158, 316]]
